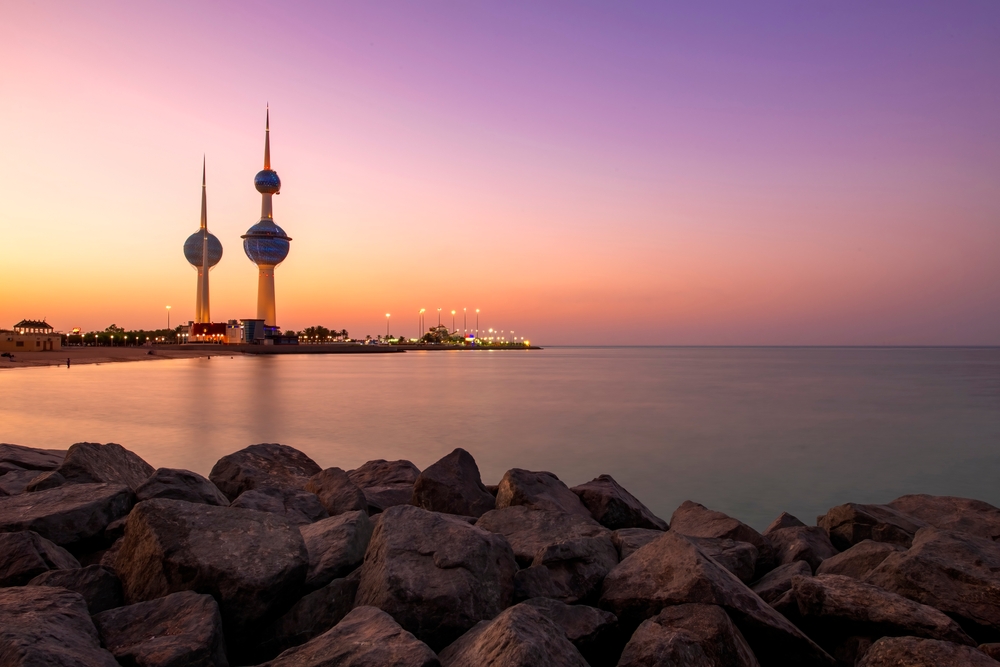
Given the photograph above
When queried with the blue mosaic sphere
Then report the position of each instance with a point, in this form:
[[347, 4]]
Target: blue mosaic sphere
[[266, 243], [267, 182], [192, 249]]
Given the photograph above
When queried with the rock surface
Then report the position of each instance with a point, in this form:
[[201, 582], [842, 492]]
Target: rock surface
[[297, 505], [963, 515], [436, 574], [93, 463], [784, 520], [571, 571], [180, 630], [385, 483], [336, 546], [17, 457], [262, 465], [521, 636], [614, 507], [453, 485], [594, 632], [66, 515], [530, 530], [808, 543], [99, 585], [860, 559], [851, 523], [914, 652], [695, 520], [16, 481], [538, 490], [336, 492], [628, 540], [778, 581], [740, 558], [50, 627], [366, 637], [688, 635], [310, 617], [176, 484], [24, 555]]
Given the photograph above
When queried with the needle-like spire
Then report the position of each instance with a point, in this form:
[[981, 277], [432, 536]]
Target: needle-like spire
[[267, 139], [204, 200]]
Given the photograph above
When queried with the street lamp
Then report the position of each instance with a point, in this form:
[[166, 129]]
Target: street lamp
[[465, 323], [168, 318], [387, 326], [477, 323], [420, 323], [453, 320]]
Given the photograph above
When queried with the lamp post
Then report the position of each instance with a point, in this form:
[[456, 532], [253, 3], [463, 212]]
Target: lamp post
[[387, 326], [420, 323], [477, 323], [453, 320], [168, 318], [439, 317], [465, 321]]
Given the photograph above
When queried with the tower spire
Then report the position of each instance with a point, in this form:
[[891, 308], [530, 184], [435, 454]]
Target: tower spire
[[204, 202], [267, 139]]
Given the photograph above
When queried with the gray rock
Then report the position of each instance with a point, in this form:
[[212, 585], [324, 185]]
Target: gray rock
[[538, 490], [366, 637], [50, 627], [453, 485], [570, 571], [915, 652], [521, 636], [860, 559], [179, 630], [629, 540], [594, 632], [24, 555], [252, 563], [93, 463], [688, 635], [310, 617], [851, 523], [784, 520], [16, 481], [614, 507], [337, 493], [436, 574], [778, 581], [808, 543], [671, 570], [176, 484], [297, 505], [740, 558], [66, 515], [99, 585], [385, 483], [336, 546], [530, 530], [696, 520], [262, 465], [17, 457], [963, 515]]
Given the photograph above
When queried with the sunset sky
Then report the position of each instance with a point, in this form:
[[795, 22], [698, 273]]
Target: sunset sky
[[583, 172]]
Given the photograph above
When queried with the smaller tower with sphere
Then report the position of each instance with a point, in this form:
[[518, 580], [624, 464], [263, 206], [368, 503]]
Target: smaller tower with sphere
[[266, 244], [203, 251]]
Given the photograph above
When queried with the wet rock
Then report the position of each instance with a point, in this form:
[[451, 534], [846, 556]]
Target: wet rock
[[66, 515], [570, 571], [860, 559], [521, 636], [262, 465], [16, 457], [696, 520], [336, 492], [453, 485], [176, 484], [538, 490], [297, 505], [366, 637], [956, 573], [16, 481], [530, 530], [614, 507], [48, 626], [99, 585], [778, 581], [740, 558], [310, 617], [252, 563], [688, 635], [784, 520], [385, 483], [963, 515], [915, 652], [436, 574], [93, 463], [807, 543], [851, 523], [628, 540], [336, 546], [25, 555], [594, 632], [671, 570], [180, 630]]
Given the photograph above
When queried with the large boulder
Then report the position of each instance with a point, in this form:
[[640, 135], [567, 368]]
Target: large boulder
[[784, 520], [614, 507], [453, 485], [24, 555], [594, 632], [964, 515], [740, 558], [530, 530], [310, 617], [252, 563], [297, 505], [538, 490], [436, 574], [366, 637], [385, 483], [570, 571], [808, 543], [778, 581], [50, 627], [629, 540], [860, 559], [93, 463], [179, 630], [696, 520], [177, 484], [851, 523], [521, 636], [336, 492], [17, 457], [671, 570], [916, 652], [688, 635], [262, 465], [99, 585], [67, 515], [16, 481], [336, 546], [956, 573]]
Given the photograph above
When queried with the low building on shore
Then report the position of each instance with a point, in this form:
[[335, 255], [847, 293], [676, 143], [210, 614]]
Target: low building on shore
[[30, 336]]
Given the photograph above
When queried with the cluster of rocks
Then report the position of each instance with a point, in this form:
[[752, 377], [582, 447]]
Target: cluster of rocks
[[273, 560]]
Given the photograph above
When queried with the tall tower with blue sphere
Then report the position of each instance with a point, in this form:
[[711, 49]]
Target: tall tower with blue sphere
[[203, 251], [266, 244]]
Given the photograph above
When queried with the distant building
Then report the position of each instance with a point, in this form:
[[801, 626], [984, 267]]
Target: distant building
[[33, 327], [30, 336]]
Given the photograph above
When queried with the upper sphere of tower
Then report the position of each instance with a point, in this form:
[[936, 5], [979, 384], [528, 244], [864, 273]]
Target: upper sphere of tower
[[192, 249], [267, 182]]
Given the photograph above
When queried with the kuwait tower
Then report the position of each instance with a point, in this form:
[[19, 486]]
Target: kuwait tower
[[266, 244], [203, 251]]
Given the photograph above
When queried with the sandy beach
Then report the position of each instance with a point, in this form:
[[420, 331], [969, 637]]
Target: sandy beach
[[100, 355]]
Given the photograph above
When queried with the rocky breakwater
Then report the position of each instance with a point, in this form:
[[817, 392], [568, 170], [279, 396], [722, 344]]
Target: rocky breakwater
[[273, 560]]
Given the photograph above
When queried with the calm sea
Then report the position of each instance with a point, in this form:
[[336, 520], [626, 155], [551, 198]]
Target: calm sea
[[749, 431]]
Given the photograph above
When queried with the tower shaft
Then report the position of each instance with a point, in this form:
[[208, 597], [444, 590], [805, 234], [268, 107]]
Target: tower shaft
[[202, 311], [265, 295]]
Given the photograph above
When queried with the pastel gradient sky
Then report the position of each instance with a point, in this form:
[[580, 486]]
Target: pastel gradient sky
[[584, 172]]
